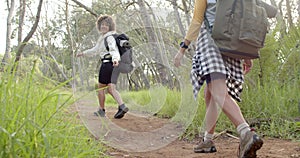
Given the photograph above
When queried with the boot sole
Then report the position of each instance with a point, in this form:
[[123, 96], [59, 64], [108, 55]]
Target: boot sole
[[121, 115], [256, 145], [206, 150]]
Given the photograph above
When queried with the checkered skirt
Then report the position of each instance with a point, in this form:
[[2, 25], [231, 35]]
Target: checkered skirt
[[208, 59]]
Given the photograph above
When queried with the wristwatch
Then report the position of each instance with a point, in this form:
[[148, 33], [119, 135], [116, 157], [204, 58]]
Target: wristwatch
[[183, 45]]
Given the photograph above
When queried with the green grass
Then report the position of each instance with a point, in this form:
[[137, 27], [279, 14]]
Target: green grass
[[37, 121], [273, 105], [277, 105], [37, 118]]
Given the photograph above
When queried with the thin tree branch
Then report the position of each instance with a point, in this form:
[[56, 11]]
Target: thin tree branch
[[29, 35], [86, 8]]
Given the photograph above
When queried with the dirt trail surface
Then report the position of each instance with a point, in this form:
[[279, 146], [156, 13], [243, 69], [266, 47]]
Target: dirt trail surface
[[140, 136]]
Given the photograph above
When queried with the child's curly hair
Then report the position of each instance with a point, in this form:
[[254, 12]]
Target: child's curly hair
[[108, 19]]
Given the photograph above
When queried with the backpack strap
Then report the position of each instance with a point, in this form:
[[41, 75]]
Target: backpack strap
[[207, 25], [105, 43]]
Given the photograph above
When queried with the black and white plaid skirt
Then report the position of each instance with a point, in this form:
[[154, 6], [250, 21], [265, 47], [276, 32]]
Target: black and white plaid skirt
[[208, 60]]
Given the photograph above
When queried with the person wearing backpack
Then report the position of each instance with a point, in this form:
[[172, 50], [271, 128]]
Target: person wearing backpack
[[223, 76], [108, 76]]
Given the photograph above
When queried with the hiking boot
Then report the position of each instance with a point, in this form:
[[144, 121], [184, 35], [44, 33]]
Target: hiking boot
[[249, 145], [207, 146], [100, 112], [121, 112]]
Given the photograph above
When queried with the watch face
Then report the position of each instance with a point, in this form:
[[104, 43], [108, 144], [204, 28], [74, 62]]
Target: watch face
[[182, 45]]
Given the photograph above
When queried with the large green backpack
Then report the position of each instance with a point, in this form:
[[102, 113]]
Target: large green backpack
[[240, 27]]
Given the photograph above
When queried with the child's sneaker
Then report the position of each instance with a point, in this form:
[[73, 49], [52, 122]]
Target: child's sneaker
[[121, 112], [100, 112], [207, 146], [249, 145]]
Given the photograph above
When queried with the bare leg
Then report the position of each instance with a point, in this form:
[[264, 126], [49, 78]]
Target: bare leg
[[249, 141], [218, 90], [207, 145], [114, 93], [122, 109], [211, 112], [101, 95]]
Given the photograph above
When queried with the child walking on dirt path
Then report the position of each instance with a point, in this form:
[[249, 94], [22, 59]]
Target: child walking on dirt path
[[108, 76], [223, 76]]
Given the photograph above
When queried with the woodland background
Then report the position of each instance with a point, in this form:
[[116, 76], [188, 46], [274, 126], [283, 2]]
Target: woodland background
[[40, 73], [54, 31]]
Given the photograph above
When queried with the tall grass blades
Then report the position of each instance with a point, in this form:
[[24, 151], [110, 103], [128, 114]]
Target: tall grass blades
[[273, 107], [39, 122]]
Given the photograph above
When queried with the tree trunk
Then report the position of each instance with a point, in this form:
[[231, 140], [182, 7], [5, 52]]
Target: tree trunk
[[146, 21], [57, 68], [186, 12], [21, 20], [150, 32], [30, 34], [178, 19], [298, 11], [11, 9], [71, 43], [289, 14], [281, 20]]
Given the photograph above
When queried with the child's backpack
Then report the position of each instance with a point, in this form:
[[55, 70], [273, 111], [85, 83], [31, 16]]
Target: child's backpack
[[125, 50], [241, 26]]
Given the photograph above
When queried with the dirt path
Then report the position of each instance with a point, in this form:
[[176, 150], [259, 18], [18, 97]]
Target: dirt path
[[137, 136]]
